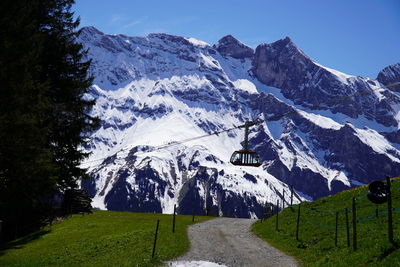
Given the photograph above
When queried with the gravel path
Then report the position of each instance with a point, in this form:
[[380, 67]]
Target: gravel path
[[230, 242]]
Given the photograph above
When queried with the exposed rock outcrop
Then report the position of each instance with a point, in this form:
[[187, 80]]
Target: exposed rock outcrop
[[283, 65], [230, 46], [389, 75]]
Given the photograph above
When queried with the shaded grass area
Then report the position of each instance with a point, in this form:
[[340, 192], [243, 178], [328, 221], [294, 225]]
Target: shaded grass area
[[104, 238], [316, 245]]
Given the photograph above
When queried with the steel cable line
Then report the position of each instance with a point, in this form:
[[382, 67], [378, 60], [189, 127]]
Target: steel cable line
[[272, 118], [193, 138], [169, 144]]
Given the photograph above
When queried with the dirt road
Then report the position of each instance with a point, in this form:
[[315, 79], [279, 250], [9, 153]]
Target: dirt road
[[230, 242]]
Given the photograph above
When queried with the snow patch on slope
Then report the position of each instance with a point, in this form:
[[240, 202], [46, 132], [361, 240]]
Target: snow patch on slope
[[320, 120], [378, 143], [342, 77], [197, 42], [245, 85]]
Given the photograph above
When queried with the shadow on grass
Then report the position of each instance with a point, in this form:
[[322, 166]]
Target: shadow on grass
[[389, 251], [19, 243]]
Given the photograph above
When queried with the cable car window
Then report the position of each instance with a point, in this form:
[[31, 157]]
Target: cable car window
[[236, 157]]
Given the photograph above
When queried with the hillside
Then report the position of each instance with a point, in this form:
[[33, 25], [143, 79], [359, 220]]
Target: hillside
[[316, 245]]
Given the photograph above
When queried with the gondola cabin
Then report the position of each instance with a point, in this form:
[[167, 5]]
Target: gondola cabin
[[245, 158]]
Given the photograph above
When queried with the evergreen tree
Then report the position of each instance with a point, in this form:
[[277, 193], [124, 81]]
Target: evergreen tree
[[67, 72], [26, 161], [44, 116]]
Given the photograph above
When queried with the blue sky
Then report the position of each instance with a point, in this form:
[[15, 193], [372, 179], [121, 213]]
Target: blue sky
[[358, 37]]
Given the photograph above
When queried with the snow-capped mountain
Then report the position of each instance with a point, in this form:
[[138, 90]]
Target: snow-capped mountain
[[153, 92], [307, 83]]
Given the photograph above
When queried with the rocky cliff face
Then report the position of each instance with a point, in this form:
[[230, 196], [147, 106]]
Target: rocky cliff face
[[157, 94], [283, 65], [230, 46], [390, 75]]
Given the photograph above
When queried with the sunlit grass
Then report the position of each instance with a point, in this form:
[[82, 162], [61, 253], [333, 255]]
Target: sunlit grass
[[316, 245], [104, 238]]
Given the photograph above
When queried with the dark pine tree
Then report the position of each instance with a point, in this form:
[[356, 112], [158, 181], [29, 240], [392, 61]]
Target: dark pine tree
[[66, 70], [44, 115], [27, 168]]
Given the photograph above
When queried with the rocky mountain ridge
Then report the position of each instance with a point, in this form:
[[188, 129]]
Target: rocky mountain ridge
[[152, 92], [389, 75]]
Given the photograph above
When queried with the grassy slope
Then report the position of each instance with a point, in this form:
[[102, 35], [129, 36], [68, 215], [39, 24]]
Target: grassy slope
[[316, 246], [104, 238]]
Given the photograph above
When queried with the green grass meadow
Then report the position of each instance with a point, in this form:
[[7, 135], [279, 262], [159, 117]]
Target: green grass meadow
[[316, 245], [104, 238]]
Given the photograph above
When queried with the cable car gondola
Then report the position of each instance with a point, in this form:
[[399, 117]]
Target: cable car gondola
[[245, 156]]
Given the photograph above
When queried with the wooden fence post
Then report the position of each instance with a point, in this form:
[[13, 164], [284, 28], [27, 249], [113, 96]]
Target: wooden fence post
[[173, 220], [277, 212], [193, 214], [291, 195], [298, 222], [266, 212], [336, 228], [155, 240], [347, 228], [390, 210], [354, 224], [264, 208]]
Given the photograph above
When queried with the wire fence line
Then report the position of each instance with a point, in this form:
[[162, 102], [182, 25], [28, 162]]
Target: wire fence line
[[325, 226], [367, 218], [361, 197], [328, 219], [381, 212], [364, 219], [329, 212], [320, 211]]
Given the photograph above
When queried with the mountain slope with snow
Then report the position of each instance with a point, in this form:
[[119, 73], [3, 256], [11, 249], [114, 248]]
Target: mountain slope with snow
[[153, 92]]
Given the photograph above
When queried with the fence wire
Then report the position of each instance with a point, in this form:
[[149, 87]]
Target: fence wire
[[325, 218], [325, 226], [361, 197]]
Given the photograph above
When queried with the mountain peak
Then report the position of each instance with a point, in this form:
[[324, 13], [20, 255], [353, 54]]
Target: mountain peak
[[390, 75], [285, 40], [91, 30], [230, 46], [286, 44], [273, 61], [228, 39]]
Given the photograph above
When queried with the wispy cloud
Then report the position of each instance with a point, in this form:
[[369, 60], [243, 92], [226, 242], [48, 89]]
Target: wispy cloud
[[171, 26], [134, 23], [116, 18], [144, 25]]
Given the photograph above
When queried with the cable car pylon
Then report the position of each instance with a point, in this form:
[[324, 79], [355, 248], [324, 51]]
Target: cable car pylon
[[245, 156]]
